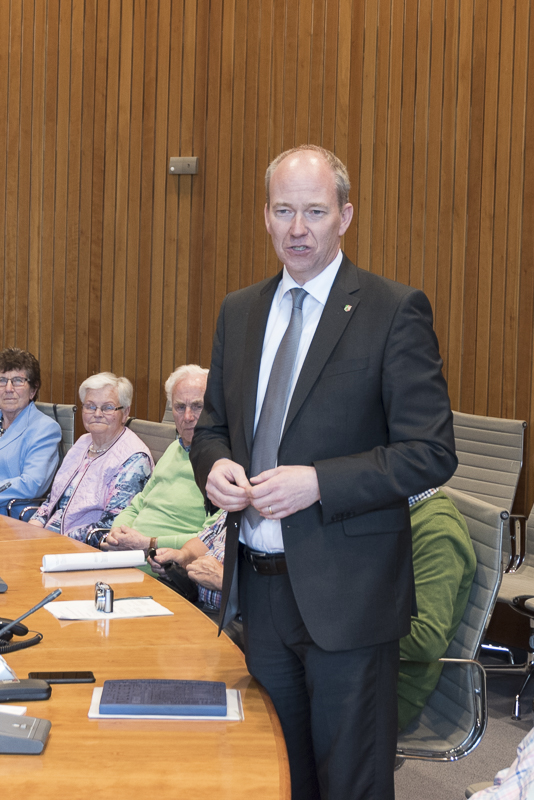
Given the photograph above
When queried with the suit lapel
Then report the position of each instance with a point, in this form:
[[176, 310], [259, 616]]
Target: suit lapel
[[8, 438], [341, 305], [255, 334]]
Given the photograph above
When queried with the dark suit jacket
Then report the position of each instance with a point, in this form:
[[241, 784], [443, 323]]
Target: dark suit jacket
[[370, 412]]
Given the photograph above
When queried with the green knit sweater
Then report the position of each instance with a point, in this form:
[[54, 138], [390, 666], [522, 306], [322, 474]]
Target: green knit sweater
[[444, 566], [171, 506]]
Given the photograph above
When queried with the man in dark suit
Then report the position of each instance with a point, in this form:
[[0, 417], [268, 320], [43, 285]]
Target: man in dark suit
[[325, 578]]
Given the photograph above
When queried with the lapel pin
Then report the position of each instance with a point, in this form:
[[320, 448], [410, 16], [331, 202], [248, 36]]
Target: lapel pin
[[347, 308]]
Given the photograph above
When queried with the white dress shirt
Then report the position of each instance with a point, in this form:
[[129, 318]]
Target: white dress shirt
[[267, 537]]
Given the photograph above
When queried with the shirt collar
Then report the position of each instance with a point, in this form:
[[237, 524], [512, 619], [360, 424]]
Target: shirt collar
[[187, 449], [319, 287]]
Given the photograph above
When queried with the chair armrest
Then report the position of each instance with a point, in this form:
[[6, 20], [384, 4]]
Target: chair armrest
[[30, 508], [424, 737], [518, 523], [19, 500], [519, 605]]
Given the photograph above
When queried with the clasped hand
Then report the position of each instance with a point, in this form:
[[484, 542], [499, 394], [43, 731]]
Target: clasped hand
[[275, 493], [124, 538]]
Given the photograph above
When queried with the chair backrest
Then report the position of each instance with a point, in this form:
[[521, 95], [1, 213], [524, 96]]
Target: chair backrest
[[485, 525], [490, 456], [65, 416], [167, 415], [156, 435], [454, 719]]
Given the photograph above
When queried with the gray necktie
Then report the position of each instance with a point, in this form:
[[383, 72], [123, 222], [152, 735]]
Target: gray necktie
[[269, 428]]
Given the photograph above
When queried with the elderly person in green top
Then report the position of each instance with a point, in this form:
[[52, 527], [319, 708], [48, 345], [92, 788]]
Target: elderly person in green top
[[444, 565], [170, 509]]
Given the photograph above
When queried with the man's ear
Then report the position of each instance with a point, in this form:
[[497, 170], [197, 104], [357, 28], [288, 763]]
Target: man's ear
[[346, 217], [267, 218]]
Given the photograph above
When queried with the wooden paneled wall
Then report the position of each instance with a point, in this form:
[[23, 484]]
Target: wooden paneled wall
[[111, 263]]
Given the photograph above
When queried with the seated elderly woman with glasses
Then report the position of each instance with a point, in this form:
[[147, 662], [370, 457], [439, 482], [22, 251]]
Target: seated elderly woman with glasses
[[28, 439], [104, 470]]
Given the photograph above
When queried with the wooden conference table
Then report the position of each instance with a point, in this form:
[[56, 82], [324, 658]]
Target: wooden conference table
[[134, 759]]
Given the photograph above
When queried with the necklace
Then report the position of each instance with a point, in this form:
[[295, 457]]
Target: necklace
[[97, 450], [93, 449]]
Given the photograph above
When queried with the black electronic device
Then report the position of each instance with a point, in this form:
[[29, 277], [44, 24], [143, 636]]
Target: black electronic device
[[18, 630], [9, 646], [24, 735], [3, 586], [9, 627], [180, 581], [63, 677], [26, 689]]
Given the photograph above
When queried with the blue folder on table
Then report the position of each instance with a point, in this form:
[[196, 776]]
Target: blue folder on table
[[172, 697]]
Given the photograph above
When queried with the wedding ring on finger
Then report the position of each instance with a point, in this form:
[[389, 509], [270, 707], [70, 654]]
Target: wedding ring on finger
[[270, 510]]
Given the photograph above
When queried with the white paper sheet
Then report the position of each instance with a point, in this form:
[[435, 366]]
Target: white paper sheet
[[18, 710], [6, 672], [234, 710], [122, 609], [64, 562]]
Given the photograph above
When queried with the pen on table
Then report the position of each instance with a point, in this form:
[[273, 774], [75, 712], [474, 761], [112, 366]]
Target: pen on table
[[146, 597]]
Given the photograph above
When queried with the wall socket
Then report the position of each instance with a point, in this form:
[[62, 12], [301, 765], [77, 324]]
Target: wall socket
[[183, 165]]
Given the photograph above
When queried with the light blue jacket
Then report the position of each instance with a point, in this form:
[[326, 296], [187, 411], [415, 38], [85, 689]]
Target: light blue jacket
[[28, 455]]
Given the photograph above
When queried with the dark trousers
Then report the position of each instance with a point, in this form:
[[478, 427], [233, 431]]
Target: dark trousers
[[338, 710]]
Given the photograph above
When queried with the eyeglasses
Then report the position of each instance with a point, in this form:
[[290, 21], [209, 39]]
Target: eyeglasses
[[16, 382], [107, 409]]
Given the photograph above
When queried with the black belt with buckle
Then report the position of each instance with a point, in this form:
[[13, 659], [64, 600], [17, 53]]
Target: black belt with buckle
[[266, 563]]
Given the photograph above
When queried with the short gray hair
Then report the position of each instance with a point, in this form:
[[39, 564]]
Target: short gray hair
[[186, 370], [101, 379], [341, 176]]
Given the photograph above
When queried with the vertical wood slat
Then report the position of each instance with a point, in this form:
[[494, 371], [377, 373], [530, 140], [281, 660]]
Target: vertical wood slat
[[73, 222], [64, 108], [377, 203], [22, 204], [367, 133], [81, 367], [446, 232], [173, 313], [158, 215], [254, 250], [229, 279], [149, 303], [11, 174], [512, 368], [487, 218], [182, 96], [500, 286], [5, 35], [394, 111], [461, 187], [47, 319], [199, 122], [36, 182], [222, 202], [109, 262], [111, 273], [137, 290], [475, 162]]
